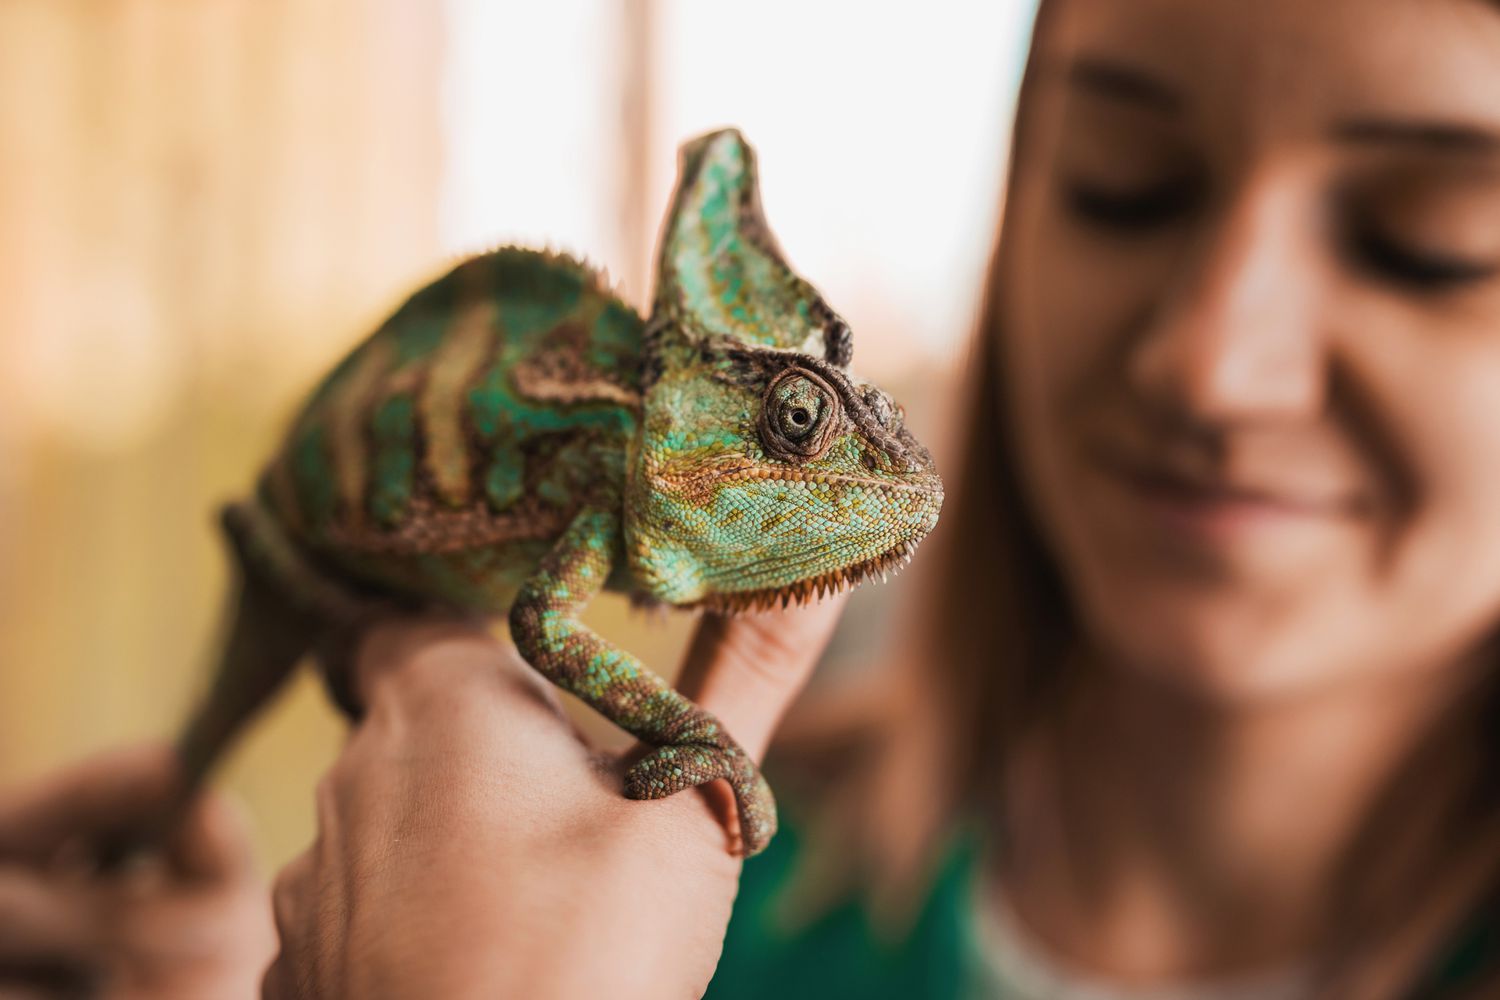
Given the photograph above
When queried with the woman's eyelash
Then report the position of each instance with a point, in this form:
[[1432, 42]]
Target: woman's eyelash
[[1133, 210], [1384, 257]]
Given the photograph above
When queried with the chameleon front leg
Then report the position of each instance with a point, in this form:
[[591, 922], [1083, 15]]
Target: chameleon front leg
[[692, 747]]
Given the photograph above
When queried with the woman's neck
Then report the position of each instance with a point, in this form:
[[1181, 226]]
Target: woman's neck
[[1156, 836]]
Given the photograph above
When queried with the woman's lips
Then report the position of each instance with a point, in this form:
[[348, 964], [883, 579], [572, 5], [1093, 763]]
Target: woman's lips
[[1215, 511]]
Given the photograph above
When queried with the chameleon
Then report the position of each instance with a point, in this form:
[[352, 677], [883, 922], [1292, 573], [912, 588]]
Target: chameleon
[[516, 438]]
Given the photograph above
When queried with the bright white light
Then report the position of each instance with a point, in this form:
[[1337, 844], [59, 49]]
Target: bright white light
[[530, 132]]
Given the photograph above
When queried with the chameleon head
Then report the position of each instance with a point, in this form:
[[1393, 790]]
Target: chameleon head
[[765, 472]]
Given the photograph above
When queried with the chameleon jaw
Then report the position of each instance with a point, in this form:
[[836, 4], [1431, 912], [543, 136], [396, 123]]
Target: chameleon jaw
[[801, 592]]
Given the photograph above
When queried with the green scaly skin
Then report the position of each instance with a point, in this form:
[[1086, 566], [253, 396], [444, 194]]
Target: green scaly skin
[[515, 438]]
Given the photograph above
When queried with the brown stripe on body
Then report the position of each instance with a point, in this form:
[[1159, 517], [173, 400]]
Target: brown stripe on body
[[348, 417], [467, 348], [431, 529], [559, 372]]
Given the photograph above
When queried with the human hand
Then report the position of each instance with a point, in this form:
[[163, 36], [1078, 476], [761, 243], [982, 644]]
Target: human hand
[[471, 844], [191, 922]]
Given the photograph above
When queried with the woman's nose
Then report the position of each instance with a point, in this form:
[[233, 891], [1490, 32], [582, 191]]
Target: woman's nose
[[1238, 338]]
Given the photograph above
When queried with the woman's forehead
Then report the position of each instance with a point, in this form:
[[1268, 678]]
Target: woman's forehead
[[1299, 63]]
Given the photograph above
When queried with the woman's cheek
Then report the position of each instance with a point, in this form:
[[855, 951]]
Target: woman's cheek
[[1434, 393], [1080, 301]]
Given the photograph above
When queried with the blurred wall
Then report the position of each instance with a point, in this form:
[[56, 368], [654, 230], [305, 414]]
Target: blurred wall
[[201, 204]]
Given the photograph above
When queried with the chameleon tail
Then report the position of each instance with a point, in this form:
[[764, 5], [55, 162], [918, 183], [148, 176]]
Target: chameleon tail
[[264, 636]]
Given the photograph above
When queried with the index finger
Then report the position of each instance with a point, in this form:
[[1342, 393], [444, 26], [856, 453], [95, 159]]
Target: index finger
[[746, 669], [99, 797]]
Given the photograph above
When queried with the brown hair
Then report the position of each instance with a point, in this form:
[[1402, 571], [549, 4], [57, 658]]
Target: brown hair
[[892, 774], [992, 641]]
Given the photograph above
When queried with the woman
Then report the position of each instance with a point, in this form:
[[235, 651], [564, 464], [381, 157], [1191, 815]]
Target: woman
[[1223, 567], [1201, 702]]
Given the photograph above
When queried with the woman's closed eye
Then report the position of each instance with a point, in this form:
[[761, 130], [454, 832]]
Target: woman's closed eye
[[1134, 209], [1385, 257], [1421, 228]]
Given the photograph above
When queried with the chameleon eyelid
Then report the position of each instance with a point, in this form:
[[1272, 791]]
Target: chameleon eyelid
[[805, 449]]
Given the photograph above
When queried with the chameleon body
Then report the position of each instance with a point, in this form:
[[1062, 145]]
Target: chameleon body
[[516, 438]]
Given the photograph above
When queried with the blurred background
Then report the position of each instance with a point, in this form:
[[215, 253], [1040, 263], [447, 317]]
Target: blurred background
[[204, 204]]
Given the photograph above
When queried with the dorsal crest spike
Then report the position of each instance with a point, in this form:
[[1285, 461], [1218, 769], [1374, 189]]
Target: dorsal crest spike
[[594, 276]]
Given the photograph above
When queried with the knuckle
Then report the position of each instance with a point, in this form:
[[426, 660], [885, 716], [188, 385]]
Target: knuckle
[[286, 891]]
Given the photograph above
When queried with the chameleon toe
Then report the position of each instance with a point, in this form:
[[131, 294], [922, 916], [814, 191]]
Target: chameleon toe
[[671, 769]]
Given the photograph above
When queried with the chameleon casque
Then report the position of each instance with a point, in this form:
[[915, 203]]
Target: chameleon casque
[[517, 438]]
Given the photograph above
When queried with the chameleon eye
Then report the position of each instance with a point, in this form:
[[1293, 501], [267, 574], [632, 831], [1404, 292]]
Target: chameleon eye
[[798, 415], [798, 407]]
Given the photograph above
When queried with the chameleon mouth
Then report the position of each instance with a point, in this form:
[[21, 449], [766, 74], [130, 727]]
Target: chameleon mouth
[[800, 592]]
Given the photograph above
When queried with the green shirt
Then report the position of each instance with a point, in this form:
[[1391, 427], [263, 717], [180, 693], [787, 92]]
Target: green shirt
[[839, 956]]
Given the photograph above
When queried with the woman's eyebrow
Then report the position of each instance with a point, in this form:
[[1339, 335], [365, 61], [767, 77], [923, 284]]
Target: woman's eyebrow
[[1101, 76], [1432, 136]]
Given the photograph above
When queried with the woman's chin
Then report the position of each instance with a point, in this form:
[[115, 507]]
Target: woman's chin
[[1221, 651]]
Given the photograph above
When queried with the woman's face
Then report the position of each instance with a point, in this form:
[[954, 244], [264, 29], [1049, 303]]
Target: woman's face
[[1252, 327]]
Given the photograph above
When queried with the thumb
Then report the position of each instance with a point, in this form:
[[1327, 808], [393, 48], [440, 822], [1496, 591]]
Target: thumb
[[746, 669]]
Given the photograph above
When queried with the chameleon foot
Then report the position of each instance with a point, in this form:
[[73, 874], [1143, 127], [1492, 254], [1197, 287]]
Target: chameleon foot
[[670, 769]]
